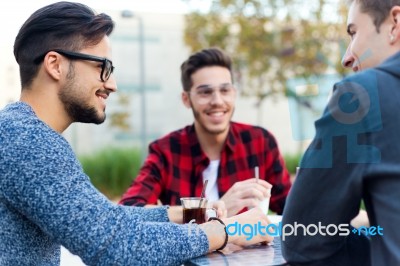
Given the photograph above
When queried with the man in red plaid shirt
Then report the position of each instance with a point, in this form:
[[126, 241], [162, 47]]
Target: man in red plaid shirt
[[214, 148]]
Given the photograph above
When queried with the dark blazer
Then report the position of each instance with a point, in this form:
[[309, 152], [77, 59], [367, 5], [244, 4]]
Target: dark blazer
[[354, 156]]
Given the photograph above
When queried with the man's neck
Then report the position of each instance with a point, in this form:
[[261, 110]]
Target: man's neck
[[211, 144], [50, 111]]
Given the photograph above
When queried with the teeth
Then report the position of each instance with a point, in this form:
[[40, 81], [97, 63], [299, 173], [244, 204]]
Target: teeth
[[217, 114], [102, 99]]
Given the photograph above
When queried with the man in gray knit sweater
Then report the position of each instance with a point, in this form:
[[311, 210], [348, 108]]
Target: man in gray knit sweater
[[46, 200]]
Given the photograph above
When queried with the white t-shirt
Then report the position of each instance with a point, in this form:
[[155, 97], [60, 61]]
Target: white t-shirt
[[210, 174]]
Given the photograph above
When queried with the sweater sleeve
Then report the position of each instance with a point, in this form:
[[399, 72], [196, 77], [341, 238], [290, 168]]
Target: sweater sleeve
[[48, 186]]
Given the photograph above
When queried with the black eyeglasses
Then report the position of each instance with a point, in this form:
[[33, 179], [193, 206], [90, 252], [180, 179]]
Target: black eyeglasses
[[106, 68]]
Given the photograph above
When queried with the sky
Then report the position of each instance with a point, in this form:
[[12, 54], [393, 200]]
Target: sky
[[15, 12]]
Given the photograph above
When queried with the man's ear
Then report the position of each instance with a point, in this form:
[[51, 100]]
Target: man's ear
[[395, 18], [52, 64], [186, 100]]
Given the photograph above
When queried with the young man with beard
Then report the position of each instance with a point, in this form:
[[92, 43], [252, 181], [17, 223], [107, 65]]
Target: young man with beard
[[356, 153], [46, 200], [214, 148]]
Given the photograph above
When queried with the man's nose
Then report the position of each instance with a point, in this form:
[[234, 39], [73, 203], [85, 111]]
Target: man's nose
[[111, 84], [216, 97], [348, 59]]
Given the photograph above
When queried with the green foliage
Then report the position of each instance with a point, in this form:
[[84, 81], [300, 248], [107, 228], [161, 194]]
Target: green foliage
[[271, 41], [292, 161], [112, 170], [119, 118]]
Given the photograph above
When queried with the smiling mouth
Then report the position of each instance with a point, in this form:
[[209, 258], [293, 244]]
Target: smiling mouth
[[102, 95], [216, 114]]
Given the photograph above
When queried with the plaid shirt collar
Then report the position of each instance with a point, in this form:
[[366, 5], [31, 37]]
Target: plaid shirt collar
[[197, 152]]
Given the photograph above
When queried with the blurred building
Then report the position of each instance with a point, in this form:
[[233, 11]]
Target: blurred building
[[9, 76], [164, 53]]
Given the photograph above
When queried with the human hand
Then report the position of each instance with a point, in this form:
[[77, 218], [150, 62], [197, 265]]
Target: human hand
[[250, 218], [175, 214], [216, 233], [220, 207], [247, 193], [360, 220]]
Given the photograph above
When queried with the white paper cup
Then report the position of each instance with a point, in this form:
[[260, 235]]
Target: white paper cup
[[264, 204]]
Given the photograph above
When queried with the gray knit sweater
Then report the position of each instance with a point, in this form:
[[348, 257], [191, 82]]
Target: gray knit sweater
[[46, 201]]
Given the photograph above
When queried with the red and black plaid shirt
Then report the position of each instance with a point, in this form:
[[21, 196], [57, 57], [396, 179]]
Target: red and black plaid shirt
[[174, 166]]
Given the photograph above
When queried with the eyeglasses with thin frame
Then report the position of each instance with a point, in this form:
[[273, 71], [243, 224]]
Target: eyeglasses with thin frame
[[205, 93], [107, 67]]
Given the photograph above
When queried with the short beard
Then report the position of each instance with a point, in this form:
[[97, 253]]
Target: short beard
[[74, 105], [197, 116]]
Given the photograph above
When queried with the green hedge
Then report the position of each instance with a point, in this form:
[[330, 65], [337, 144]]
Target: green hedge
[[292, 161], [112, 170]]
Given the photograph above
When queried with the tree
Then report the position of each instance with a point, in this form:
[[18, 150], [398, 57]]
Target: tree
[[119, 118], [271, 41]]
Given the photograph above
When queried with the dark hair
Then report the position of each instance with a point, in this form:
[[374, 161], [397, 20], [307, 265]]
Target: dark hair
[[377, 9], [204, 58], [62, 25]]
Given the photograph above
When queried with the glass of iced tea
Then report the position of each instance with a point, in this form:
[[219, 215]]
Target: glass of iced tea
[[195, 208]]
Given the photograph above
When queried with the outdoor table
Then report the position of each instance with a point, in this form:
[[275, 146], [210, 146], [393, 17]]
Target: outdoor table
[[257, 255]]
